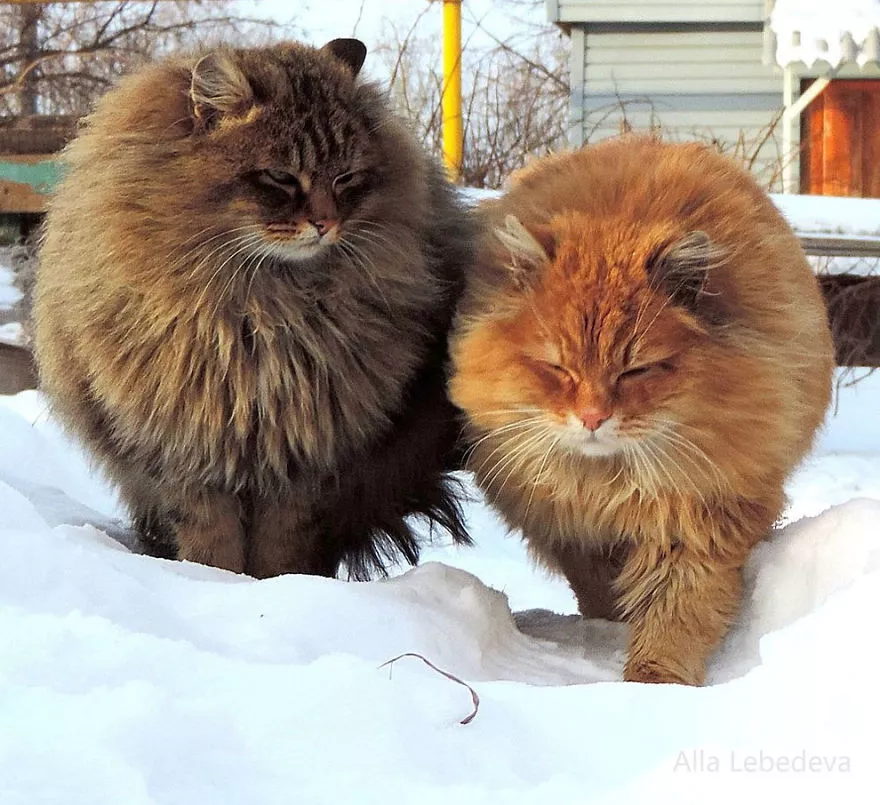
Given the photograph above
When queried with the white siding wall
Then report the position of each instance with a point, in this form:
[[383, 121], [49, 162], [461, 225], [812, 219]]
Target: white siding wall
[[693, 83], [637, 11]]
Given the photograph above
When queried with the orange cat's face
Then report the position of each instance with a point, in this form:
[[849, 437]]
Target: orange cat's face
[[595, 349]]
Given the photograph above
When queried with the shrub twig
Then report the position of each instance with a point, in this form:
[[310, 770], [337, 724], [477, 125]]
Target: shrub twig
[[474, 697]]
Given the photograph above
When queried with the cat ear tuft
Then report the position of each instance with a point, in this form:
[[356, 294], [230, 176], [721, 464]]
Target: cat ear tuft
[[683, 267], [219, 88], [350, 52], [528, 248]]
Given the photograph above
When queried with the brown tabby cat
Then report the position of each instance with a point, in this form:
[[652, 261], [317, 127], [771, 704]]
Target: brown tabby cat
[[246, 282], [643, 355]]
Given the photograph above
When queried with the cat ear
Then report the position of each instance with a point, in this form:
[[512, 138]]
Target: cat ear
[[684, 265], [219, 88], [350, 52], [528, 248]]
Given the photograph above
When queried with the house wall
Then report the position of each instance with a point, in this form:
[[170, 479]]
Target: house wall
[[695, 70], [638, 11], [692, 82]]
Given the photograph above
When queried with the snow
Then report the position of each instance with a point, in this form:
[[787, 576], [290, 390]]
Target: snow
[[806, 214], [128, 679], [9, 294], [11, 333], [814, 30], [830, 214]]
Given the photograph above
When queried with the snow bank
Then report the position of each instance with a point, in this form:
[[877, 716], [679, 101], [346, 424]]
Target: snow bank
[[832, 215], [126, 679], [807, 215]]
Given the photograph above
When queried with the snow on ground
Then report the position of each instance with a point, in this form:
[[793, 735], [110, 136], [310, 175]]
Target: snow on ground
[[11, 333], [127, 679], [9, 294], [807, 215], [840, 215]]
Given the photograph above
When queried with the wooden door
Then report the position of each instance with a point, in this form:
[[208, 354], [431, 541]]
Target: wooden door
[[840, 140]]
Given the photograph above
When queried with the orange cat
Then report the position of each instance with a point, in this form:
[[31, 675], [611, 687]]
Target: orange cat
[[643, 355]]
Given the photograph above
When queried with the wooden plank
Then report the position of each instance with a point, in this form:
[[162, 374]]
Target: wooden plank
[[871, 140], [25, 181], [18, 197], [840, 142]]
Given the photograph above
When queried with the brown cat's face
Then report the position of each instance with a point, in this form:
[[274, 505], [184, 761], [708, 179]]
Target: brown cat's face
[[596, 352], [284, 147]]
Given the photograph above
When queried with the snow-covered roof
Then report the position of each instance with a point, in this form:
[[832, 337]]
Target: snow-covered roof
[[832, 31]]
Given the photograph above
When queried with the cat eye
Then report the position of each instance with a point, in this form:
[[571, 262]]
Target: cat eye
[[348, 181], [638, 371], [279, 177], [560, 371]]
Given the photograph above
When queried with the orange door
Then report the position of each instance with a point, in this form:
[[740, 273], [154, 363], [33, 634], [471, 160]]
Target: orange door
[[840, 140]]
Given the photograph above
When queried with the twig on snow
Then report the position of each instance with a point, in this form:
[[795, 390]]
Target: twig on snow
[[474, 697]]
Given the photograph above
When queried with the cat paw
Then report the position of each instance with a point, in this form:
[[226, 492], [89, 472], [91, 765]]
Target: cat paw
[[655, 673]]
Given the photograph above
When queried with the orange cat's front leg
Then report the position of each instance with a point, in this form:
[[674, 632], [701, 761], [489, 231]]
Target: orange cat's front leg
[[679, 604]]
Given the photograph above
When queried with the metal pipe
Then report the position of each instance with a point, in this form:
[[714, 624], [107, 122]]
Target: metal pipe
[[451, 95]]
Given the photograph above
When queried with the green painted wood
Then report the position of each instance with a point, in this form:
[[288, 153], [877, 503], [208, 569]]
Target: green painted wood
[[41, 176]]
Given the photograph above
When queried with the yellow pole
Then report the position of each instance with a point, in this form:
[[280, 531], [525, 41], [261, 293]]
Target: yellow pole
[[452, 133]]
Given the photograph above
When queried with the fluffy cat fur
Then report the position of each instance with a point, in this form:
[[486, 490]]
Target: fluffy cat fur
[[246, 282], [643, 356]]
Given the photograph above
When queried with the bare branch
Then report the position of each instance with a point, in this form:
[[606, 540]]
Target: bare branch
[[474, 697]]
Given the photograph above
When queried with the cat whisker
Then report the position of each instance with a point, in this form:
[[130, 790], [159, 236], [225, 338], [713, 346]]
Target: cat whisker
[[374, 238], [215, 273], [683, 475], [503, 411], [689, 449], [511, 426], [229, 244], [183, 259], [613, 480], [658, 464], [517, 452], [258, 264], [377, 234], [637, 337], [539, 478], [366, 265], [647, 475], [636, 471], [526, 454], [244, 244], [518, 441]]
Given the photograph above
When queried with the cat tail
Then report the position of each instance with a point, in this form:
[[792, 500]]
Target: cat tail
[[394, 537]]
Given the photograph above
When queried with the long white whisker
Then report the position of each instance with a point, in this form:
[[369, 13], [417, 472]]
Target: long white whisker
[[505, 460], [539, 477], [525, 424], [525, 452], [245, 243]]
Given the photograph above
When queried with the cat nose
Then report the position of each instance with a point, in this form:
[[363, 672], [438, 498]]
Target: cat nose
[[324, 225], [593, 417]]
